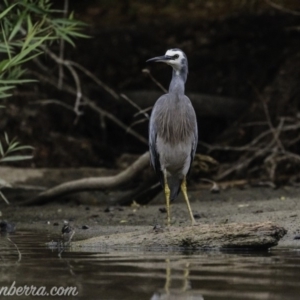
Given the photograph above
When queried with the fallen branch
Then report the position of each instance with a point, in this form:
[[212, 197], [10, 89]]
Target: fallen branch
[[92, 183], [201, 236]]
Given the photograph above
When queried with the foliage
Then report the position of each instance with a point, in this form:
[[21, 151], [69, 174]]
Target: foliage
[[26, 28], [12, 146]]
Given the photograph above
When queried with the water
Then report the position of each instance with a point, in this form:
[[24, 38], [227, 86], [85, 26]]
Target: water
[[25, 260]]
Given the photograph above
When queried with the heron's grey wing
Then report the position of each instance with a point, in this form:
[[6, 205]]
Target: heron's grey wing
[[154, 156], [192, 115], [153, 126], [195, 141]]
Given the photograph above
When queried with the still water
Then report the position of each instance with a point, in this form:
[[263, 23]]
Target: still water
[[26, 261]]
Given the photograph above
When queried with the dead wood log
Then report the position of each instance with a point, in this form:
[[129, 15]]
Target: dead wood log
[[201, 236], [92, 183]]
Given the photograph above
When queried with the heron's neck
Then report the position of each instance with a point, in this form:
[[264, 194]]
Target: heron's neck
[[177, 84]]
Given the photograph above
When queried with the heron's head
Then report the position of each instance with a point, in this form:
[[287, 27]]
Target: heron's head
[[176, 58]]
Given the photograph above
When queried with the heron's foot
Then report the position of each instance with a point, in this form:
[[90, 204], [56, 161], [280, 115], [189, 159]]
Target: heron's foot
[[168, 222], [194, 222]]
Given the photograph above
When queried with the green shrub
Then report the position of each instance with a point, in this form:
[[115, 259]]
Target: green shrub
[[26, 28]]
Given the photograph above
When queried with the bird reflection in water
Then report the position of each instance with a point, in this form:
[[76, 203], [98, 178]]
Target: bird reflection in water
[[185, 292]]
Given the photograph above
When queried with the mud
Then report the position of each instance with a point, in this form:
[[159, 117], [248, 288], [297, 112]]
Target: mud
[[249, 205]]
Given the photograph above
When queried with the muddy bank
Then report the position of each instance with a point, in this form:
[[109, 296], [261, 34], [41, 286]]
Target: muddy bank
[[250, 205]]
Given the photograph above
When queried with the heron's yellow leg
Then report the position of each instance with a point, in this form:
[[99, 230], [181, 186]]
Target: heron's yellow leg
[[168, 277], [186, 281], [186, 198], [167, 195]]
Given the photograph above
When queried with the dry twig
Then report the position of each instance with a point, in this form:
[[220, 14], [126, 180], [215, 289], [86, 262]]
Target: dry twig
[[147, 71], [86, 101], [281, 8]]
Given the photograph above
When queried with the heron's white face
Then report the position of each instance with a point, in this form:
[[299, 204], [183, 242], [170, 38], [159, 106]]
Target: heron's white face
[[177, 57]]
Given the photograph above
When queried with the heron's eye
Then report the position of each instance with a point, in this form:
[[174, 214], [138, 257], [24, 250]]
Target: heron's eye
[[175, 56]]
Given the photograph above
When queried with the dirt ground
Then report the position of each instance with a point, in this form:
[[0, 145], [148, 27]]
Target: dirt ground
[[280, 206]]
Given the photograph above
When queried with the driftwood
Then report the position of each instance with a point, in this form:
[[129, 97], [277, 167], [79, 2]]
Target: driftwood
[[201, 236], [92, 183]]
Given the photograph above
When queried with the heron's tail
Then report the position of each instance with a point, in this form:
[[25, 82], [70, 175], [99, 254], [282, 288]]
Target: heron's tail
[[174, 185]]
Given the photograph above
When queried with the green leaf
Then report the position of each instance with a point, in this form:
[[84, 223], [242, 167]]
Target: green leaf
[[12, 145], [5, 42], [3, 63], [6, 138], [29, 48], [72, 22], [6, 64], [78, 34], [36, 23], [16, 81], [5, 12], [17, 26], [29, 36], [15, 158], [4, 95], [1, 150], [64, 36], [5, 88], [21, 148], [29, 23], [34, 8], [19, 62]]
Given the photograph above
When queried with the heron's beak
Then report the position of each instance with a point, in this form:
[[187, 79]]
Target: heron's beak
[[163, 58]]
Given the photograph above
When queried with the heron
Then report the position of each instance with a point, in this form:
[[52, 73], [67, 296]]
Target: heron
[[173, 132]]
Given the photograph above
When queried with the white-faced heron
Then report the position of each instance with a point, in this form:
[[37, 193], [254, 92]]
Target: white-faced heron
[[173, 133]]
